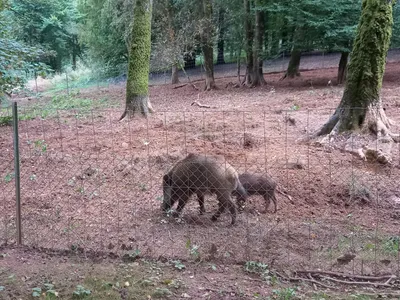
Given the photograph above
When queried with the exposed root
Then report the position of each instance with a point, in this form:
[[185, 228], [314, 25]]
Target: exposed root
[[180, 86], [297, 279], [283, 77], [376, 284], [350, 276], [234, 85], [375, 122], [197, 103], [330, 125], [140, 104]]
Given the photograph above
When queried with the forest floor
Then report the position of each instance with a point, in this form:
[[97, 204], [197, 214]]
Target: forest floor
[[91, 195]]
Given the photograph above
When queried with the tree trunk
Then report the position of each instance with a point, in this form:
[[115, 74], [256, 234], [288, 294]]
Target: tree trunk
[[137, 85], [207, 44], [249, 42], [172, 39], [294, 64], [258, 76], [73, 60], [175, 75], [209, 67], [361, 105], [342, 67], [260, 72], [221, 42]]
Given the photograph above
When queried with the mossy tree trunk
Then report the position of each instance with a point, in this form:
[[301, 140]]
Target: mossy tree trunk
[[361, 105], [248, 27], [342, 67], [137, 85], [258, 76], [207, 44]]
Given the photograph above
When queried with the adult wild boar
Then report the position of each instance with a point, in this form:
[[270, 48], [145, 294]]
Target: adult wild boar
[[201, 175]]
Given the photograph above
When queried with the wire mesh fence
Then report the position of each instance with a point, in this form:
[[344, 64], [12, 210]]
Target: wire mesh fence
[[72, 81], [90, 183]]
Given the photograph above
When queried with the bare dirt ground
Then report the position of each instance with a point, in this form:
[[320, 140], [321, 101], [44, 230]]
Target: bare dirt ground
[[92, 184]]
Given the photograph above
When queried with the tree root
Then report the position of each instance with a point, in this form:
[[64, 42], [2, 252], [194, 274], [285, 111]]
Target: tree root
[[358, 277], [376, 284], [180, 86], [326, 275], [375, 122], [197, 103], [296, 279], [140, 104]]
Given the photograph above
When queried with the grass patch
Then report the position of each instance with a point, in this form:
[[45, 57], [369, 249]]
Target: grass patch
[[63, 102], [138, 280]]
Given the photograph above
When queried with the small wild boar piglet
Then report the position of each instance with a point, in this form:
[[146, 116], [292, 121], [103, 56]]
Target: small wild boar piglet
[[201, 175], [258, 185]]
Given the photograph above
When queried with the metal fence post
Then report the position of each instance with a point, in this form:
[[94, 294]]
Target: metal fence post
[[17, 173]]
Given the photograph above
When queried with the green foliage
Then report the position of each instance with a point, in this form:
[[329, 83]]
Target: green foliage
[[9, 177], [284, 294], [16, 60], [6, 120], [258, 268], [81, 292], [178, 264], [131, 256], [48, 24], [161, 293], [41, 145], [193, 249], [106, 32], [36, 292], [396, 27], [310, 24], [392, 245], [48, 291]]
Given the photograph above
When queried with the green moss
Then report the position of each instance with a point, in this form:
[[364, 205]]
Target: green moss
[[367, 61], [368, 58], [139, 56]]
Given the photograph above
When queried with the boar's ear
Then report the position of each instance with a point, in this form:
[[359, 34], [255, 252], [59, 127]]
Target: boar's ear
[[167, 180]]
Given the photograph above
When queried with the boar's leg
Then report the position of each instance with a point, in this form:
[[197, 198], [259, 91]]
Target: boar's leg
[[224, 200], [183, 199], [274, 200], [200, 198], [267, 197]]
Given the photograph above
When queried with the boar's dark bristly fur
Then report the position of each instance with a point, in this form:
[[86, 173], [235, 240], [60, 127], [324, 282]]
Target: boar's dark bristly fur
[[201, 175], [257, 185]]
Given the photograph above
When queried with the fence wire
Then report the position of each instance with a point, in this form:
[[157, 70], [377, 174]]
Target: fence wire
[[91, 183]]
